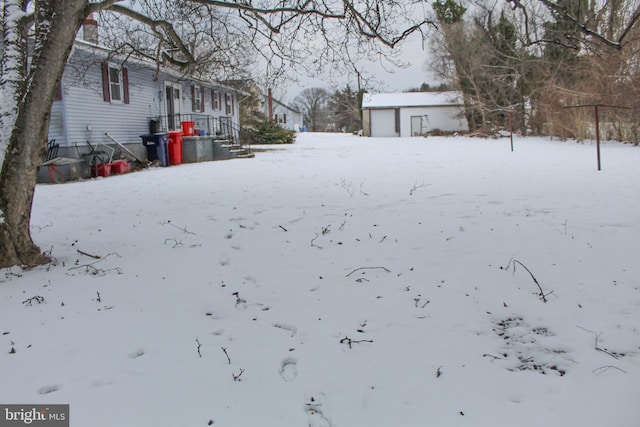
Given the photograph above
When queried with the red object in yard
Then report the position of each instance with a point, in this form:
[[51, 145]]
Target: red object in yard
[[187, 128], [103, 169], [175, 148], [120, 166]]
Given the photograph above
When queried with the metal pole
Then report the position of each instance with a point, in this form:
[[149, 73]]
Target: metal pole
[[597, 134], [511, 128]]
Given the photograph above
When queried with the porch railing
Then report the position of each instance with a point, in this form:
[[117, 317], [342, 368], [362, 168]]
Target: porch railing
[[222, 127]]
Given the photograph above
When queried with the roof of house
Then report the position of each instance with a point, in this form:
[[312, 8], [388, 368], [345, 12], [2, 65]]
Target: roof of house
[[411, 99]]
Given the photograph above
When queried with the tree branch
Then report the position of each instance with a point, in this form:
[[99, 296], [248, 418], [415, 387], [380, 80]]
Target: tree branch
[[154, 25]]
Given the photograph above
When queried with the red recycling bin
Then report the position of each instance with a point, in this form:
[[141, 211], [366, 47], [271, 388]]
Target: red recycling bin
[[175, 148]]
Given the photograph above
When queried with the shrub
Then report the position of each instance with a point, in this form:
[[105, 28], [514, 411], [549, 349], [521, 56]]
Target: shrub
[[270, 132]]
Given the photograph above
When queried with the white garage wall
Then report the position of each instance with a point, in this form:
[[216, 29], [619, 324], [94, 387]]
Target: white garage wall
[[445, 118]]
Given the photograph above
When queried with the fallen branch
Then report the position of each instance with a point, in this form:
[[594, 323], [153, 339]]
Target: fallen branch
[[602, 369], [97, 271], [29, 302], [199, 346], [88, 254], [183, 229], [491, 355], [284, 229], [369, 268], [543, 296], [347, 186], [237, 377], [596, 347], [350, 341], [313, 245], [224, 349], [415, 187], [176, 243]]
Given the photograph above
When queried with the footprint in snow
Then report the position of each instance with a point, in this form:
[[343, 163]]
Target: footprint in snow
[[289, 369], [224, 259], [136, 354], [315, 415], [48, 389], [286, 327]]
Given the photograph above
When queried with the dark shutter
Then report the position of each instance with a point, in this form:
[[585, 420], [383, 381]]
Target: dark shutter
[[125, 85], [202, 99], [213, 99], [193, 98], [105, 82]]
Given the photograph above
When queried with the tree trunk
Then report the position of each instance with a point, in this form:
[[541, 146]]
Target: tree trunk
[[56, 25]]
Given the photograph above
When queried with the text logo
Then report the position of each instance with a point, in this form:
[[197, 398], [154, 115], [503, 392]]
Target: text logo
[[34, 415]]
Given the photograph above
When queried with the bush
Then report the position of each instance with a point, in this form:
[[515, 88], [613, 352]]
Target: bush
[[270, 132]]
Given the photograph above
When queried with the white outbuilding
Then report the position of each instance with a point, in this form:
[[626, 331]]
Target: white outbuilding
[[412, 113]]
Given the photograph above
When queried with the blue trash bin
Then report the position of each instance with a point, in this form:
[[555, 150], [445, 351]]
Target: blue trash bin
[[157, 147]]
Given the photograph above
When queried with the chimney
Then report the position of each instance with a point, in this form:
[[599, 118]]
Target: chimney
[[90, 29], [270, 103]]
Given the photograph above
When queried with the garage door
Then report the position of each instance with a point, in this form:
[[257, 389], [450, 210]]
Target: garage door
[[383, 123]]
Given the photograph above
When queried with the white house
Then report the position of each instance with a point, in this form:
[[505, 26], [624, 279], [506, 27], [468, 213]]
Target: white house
[[100, 94], [286, 116], [412, 113]]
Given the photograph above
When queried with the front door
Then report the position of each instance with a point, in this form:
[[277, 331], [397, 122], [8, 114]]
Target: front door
[[174, 105]]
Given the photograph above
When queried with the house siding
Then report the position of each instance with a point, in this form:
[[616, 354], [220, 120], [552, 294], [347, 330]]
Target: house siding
[[293, 118], [83, 114]]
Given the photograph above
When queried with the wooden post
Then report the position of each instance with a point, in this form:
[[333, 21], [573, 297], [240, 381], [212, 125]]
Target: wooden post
[[597, 134]]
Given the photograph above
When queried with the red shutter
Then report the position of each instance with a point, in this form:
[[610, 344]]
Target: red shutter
[[125, 85], [105, 82], [193, 98]]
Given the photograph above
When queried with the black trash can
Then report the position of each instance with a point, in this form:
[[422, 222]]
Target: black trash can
[[157, 147]]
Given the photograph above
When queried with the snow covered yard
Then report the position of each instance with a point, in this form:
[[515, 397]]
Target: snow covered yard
[[342, 282]]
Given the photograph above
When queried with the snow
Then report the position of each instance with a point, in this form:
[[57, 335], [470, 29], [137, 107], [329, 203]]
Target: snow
[[411, 99], [340, 281], [11, 66]]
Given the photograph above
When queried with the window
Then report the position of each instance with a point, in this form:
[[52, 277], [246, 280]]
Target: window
[[115, 84], [215, 100], [229, 104], [197, 99]]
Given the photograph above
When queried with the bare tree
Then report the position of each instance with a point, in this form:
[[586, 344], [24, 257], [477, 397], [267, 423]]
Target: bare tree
[[538, 58], [38, 37], [314, 105]]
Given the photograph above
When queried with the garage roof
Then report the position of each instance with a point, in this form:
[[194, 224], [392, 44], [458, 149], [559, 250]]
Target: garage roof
[[411, 99]]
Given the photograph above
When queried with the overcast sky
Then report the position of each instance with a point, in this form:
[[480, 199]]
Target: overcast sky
[[394, 79]]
